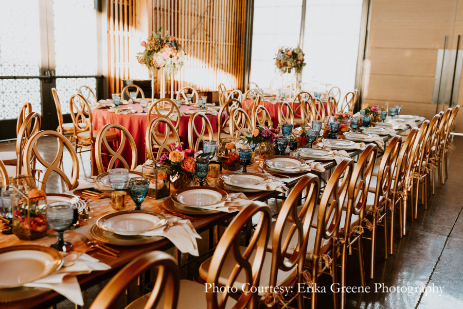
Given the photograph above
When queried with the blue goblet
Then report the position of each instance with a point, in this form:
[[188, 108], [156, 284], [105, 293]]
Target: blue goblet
[[383, 115], [282, 143], [392, 112], [334, 126], [245, 156], [283, 94], [311, 136], [202, 169], [362, 112], [398, 108], [354, 124], [116, 99], [366, 121], [287, 129], [292, 144], [138, 189], [317, 126]]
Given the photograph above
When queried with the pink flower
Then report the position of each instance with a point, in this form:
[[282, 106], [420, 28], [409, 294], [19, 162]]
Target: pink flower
[[163, 158], [374, 109], [165, 55], [139, 60], [171, 38], [143, 43], [189, 152]]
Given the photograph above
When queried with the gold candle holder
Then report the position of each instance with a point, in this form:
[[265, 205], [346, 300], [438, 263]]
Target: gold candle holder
[[118, 200]]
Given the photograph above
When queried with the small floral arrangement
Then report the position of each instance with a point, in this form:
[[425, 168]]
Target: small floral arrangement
[[161, 52], [371, 110], [289, 58], [178, 164], [343, 117], [302, 139], [29, 221], [260, 135], [228, 156]]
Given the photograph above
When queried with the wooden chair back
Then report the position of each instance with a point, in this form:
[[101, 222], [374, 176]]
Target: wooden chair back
[[285, 113], [167, 282], [172, 113], [129, 88], [347, 104], [114, 154], [250, 86], [250, 261], [31, 151], [59, 129], [261, 117], [235, 94], [88, 94], [224, 117], [81, 115], [240, 123], [25, 110], [302, 107], [331, 106], [160, 141], [255, 98], [193, 133], [181, 95], [29, 127], [335, 92], [4, 176], [318, 110]]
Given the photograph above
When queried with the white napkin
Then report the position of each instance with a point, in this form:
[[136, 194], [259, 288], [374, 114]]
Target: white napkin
[[340, 155], [234, 202], [65, 281], [311, 165], [270, 185], [353, 147], [181, 233], [124, 111], [86, 183], [139, 168]]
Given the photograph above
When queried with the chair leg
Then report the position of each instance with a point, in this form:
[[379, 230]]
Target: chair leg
[[404, 215], [433, 174], [386, 243], [373, 249], [315, 275], [417, 198], [412, 200], [446, 163], [391, 228], [343, 274], [92, 160], [425, 191], [442, 169], [334, 273], [361, 260]]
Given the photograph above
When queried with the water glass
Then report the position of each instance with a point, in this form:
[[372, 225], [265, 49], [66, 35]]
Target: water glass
[[366, 121], [116, 99], [138, 189], [133, 96], [311, 136], [143, 103], [59, 218], [210, 147], [201, 103], [282, 143], [317, 94], [354, 123], [283, 94], [287, 129], [204, 99], [189, 97], [245, 156], [334, 126], [292, 144], [392, 112], [202, 169], [118, 178], [178, 103], [6, 210], [383, 115], [317, 126]]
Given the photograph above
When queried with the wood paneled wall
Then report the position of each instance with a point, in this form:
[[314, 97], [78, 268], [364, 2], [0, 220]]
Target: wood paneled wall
[[121, 56], [212, 33], [404, 38]]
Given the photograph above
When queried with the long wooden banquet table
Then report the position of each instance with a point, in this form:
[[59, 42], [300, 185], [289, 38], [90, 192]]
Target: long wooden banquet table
[[34, 297]]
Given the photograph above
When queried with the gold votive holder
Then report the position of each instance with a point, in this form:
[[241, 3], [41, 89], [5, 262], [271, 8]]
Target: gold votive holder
[[118, 200]]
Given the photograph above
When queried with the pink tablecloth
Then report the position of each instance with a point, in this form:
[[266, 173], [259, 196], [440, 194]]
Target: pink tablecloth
[[273, 110], [137, 124]]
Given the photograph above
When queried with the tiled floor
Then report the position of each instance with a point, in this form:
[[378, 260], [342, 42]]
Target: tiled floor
[[430, 255]]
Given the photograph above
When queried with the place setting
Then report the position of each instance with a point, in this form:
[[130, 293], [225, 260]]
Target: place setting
[[365, 138]]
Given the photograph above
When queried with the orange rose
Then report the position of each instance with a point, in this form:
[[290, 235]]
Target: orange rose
[[229, 146], [36, 195], [176, 156], [255, 132], [303, 131], [171, 38], [300, 58], [188, 165], [298, 138], [351, 114], [289, 53]]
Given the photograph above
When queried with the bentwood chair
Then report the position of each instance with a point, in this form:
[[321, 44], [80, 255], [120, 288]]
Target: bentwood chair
[[132, 88], [356, 98], [224, 119], [331, 106], [241, 123], [318, 110], [10, 158], [115, 155], [432, 155], [286, 257], [232, 265], [195, 137], [335, 92], [447, 144], [441, 145], [353, 213], [328, 239], [251, 86], [261, 117], [4, 176], [235, 94], [181, 95], [88, 94], [30, 126], [302, 108], [31, 151], [84, 135], [251, 98], [285, 113], [166, 288], [64, 128], [223, 95], [160, 142], [348, 102]]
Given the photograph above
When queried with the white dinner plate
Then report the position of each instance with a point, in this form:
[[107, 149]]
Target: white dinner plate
[[130, 223], [374, 130], [315, 154], [360, 137], [200, 196], [339, 144], [284, 162], [23, 264], [407, 116], [384, 124], [243, 179]]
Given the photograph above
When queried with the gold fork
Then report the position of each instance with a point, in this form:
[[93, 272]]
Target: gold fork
[[93, 244], [164, 209]]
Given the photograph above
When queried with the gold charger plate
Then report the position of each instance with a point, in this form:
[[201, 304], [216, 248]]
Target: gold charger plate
[[269, 168], [174, 207], [214, 192], [21, 293], [134, 222], [222, 185], [119, 240]]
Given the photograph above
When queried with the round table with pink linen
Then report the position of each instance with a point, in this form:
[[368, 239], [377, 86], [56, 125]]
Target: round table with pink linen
[[137, 124]]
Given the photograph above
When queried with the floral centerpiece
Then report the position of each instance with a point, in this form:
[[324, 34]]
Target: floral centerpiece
[[179, 165], [229, 156], [262, 138], [29, 214], [343, 119], [289, 58], [374, 112], [161, 52]]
